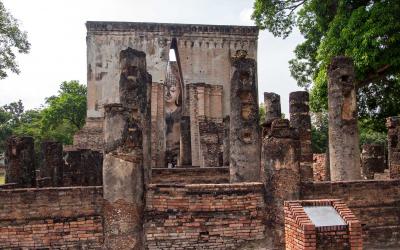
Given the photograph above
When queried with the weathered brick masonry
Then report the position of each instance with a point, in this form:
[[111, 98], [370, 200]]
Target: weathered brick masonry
[[51, 218], [375, 203], [203, 216]]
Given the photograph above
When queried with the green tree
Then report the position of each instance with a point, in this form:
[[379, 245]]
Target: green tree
[[68, 106], [12, 40], [368, 31]]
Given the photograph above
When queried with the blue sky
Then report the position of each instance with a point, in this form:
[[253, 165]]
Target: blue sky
[[56, 30]]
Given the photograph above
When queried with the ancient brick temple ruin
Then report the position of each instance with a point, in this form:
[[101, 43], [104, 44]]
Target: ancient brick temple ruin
[[173, 156]]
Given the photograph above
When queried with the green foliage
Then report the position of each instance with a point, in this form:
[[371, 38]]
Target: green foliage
[[12, 40], [367, 31], [69, 106], [63, 116], [261, 112], [319, 132]]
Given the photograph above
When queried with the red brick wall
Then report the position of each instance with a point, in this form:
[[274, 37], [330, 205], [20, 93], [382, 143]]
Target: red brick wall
[[203, 216], [51, 217], [190, 175], [319, 169], [376, 203]]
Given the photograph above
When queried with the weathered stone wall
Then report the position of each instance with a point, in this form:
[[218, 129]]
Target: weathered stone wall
[[204, 55], [320, 167], [52, 168], [203, 216], [393, 125], [372, 160], [51, 218], [375, 204], [280, 164], [157, 126], [272, 103], [344, 151], [20, 161], [300, 120], [91, 135], [244, 121], [190, 175]]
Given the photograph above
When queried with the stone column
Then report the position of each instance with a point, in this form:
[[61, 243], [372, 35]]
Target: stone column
[[20, 161], [126, 131], [53, 163], [393, 125], [272, 103], [226, 142], [280, 164], [344, 151], [300, 120], [372, 160], [244, 122], [185, 152]]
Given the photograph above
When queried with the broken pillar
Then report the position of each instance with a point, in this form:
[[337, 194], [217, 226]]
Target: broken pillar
[[272, 103], [280, 164], [393, 125], [244, 122], [51, 169], [344, 151], [226, 143], [300, 120], [126, 128], [92, 164], [372, 160], [20, 161], [185, 151]]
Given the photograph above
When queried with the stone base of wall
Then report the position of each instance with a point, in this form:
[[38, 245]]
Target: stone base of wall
[[91, 135]]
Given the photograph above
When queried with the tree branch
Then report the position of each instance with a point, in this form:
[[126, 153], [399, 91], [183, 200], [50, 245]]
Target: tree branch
[[373, 76]]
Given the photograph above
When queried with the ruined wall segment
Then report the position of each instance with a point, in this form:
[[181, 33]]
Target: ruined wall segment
[[344, 151], [244, 121], [393, 125], [372, 160], [52, 168], [280, 164], [204, 216], [51, 218], [300, 120], [20, 161]]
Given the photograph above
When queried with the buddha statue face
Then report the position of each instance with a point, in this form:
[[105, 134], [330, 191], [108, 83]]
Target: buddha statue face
[[171, 94]]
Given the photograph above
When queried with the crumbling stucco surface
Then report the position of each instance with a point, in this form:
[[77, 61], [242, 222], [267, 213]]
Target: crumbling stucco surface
[[344, 151]]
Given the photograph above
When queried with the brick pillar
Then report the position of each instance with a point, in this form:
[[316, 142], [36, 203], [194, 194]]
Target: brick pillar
[[372, 160], [53, 163], [300, 120], [344, 152], [20, 161], [280, 163], [392, 123], [244, 122], [126, 136]]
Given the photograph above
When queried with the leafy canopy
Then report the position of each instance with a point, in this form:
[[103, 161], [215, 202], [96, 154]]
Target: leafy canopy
[[63, 115], [12, 40], [368, 31]]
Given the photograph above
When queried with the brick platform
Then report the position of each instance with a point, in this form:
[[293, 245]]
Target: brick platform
[[301, 233]]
